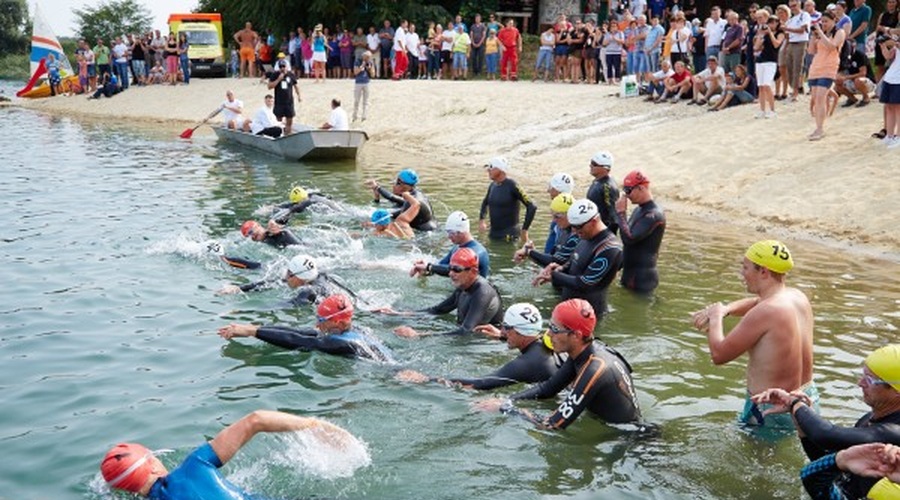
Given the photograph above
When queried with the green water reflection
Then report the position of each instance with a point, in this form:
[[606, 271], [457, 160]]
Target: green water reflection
[[109, 318]]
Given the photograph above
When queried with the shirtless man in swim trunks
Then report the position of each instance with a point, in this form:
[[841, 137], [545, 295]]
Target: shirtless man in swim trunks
[[775, 330], [247, 39]]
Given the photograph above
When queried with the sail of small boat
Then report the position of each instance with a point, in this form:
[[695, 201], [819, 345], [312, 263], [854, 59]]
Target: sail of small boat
[[43, 43]]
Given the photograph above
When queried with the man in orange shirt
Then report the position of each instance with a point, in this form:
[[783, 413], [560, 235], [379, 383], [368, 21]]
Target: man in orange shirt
[[511, 41]]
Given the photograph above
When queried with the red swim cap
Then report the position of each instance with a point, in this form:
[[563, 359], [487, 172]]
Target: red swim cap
[[635, 178], [464, 257], [576, 315], [337, 307], [247, 226], [127, 467]]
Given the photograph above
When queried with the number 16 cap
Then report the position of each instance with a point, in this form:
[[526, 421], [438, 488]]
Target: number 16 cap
[[772, 255]]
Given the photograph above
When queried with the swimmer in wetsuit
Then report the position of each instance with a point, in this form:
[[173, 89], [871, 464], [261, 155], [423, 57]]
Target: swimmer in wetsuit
[[880, 384], [603, 191], [132, 467], [299, 201], [522, 328], [600, 378], [333, 334], [273, 234], [560, 183], [594, 262], [398, 227], [459, 233], [501, 203], [406, 182], [641, 234], [475, 300], [302, 275], [566, 240]]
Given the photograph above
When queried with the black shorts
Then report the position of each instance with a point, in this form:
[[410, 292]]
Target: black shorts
[[283, 111], [890, 93], [446, 57]]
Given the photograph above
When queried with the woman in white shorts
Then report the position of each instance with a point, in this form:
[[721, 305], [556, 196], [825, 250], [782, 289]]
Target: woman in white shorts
[[769, 38]]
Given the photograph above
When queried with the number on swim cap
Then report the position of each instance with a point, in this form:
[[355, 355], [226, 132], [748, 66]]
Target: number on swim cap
[[780, 252]]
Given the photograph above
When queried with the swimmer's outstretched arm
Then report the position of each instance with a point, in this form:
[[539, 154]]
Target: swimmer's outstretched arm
[[231, 439]]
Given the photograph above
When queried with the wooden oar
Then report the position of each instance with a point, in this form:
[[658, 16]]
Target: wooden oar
[[190, 131]]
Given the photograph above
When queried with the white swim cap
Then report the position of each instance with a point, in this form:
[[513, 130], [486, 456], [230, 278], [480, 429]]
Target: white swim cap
[[457, 221], [303, 267], [603, 158], [562, 182], [581, 212], [498, 162], [524, 318]]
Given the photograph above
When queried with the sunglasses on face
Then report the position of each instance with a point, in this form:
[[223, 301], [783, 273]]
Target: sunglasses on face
[[398, 182], [872, 380], [578, 227], [555, 330], [459, 269], [629, 189]]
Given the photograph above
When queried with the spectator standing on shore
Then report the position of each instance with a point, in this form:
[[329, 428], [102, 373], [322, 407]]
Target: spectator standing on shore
[[183, 47], [511, 46], [461, 48], [613, 40], [890, 94], [769, 38], [373, 43], [401, 59], [797, 28], [247, 40], [363, 74], [478, 33], [887, 20], [825, 46], [730, 55], [386, 37], [492, 54], [101, 54], [861, 16]]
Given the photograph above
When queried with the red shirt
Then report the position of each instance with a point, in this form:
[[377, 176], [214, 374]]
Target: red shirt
[[509, 37], [680, 77]]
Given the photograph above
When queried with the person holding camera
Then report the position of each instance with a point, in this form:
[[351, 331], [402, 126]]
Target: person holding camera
[[282, 82], [363, 73], [825, 46], [769, 38]]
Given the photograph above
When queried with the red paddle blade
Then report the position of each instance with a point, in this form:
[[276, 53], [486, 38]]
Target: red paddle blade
[[187, 133]]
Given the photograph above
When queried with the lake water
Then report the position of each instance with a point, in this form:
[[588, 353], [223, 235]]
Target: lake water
[[108, 318]]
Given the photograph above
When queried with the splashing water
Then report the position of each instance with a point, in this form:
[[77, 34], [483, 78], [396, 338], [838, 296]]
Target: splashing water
[[314, 451]]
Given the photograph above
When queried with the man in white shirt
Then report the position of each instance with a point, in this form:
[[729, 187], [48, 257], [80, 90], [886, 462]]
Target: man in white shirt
[[157, 44], [412, 50], [657, 85], [232, 110], [797, 29], [708, 82], [120, 55], [714, 29], [264, 121], [638, 8], [401, 60], [338, 119], [373, 42]]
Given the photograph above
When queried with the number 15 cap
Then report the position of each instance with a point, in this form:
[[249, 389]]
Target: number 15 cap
[[772, 255]]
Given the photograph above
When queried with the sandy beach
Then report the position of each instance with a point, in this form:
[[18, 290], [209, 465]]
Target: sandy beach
[[727, 166]]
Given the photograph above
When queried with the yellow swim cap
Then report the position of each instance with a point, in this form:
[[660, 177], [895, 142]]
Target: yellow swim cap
[[772, 255], [885, 362], [884, 490], [561, 203], [298, 194]]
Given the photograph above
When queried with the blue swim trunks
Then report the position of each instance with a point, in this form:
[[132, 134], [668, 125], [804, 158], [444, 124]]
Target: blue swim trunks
[[753, 413]]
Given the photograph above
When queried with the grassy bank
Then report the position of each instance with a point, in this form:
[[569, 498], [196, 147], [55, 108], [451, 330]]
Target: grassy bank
[[14, 67]]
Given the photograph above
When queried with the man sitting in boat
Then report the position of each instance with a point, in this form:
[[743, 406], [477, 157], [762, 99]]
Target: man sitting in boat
[[232, 110], [264, 121], [399, 227], [338, 119]]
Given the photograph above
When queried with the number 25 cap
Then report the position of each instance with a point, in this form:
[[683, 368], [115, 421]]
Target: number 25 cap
[[772, 255]]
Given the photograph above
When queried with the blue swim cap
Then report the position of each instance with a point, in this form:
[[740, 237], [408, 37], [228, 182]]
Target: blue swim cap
[[408, 176], [381, 217]]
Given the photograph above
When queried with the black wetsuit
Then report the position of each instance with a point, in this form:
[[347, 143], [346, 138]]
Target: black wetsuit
[[282, 239], [591, 269], [285, 211], [536, 363], [604, 193], [477, 305], [311, 293], [350, 343], [601, 382], [502, 203], [424, 220], [641, 236], [823, 438], [562, 252]]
